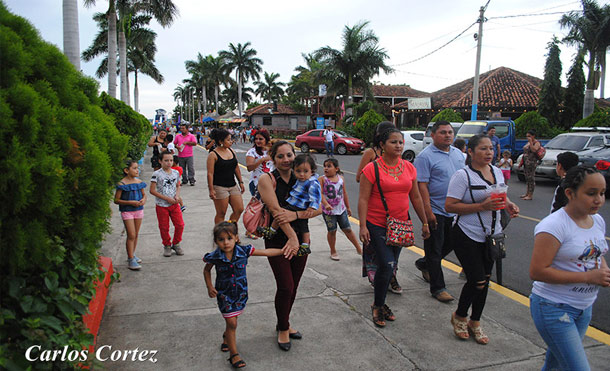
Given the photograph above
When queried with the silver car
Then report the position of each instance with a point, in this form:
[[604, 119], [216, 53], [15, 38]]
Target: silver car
[[572, 142]]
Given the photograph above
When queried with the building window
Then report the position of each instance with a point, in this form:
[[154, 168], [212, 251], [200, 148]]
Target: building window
[[267, 120]]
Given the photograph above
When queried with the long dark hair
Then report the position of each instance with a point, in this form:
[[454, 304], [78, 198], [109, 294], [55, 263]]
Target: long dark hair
[[379, 130], [575, 177], [473, 142], [265, 134], [219, 135]]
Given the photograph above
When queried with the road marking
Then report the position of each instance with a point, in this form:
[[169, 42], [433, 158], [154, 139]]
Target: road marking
[[592, 332]]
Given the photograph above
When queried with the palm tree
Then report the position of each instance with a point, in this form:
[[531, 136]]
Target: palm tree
[[217, 75], [140, 52], [200, 73], [590, 29], [111, 44], [241, 58], [270, 89], [231, 97], [179, 93], [360, 59], [71, 35]]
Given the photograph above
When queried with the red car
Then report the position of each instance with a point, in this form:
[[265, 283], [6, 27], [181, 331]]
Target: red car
[[314, 139]]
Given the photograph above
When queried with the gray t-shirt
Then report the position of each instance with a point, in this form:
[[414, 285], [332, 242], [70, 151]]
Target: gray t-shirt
[[166, 185]]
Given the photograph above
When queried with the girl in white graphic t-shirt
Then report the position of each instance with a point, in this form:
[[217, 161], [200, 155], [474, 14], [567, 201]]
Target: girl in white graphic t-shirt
[[568, 268]]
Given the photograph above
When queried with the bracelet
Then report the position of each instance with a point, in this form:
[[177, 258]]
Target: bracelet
[[425, 225]]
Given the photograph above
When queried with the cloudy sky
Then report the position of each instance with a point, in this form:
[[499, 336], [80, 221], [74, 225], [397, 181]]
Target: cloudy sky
[[281, 30]]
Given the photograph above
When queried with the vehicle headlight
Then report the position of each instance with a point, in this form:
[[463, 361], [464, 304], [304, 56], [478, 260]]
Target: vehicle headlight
[[348, 141], [549, 163]]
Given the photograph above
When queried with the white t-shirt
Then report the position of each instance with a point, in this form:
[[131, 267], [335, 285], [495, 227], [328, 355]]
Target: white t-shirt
[[458, 188], [580, 250], [328, 135], [166, 185], [265, 167]]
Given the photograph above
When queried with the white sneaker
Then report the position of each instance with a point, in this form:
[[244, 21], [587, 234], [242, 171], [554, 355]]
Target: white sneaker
[[167, 251]]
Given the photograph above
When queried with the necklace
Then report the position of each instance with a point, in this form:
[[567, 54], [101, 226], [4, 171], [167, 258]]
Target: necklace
[[394, 171]]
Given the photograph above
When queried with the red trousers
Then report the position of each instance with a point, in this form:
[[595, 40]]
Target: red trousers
[[164, 214], [287, 276]]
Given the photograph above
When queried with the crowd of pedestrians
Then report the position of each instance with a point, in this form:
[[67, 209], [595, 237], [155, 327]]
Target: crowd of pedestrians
[[450, 189]]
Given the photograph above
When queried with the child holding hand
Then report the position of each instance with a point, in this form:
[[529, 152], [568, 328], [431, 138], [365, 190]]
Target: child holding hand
[[336, 207], [231, 288], [130, 197]]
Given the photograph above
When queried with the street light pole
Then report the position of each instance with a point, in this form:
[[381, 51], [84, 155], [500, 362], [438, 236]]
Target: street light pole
[[475, 89]]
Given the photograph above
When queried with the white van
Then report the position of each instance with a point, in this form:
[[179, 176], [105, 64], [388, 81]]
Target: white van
[[427, 135]]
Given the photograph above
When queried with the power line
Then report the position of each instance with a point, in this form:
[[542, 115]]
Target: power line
[[532, 14], [437, 49]]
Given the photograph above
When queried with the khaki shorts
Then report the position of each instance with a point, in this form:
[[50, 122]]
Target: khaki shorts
[[225, 192]]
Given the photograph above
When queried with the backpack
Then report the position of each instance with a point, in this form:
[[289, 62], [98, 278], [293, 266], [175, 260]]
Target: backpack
[[256, 213]]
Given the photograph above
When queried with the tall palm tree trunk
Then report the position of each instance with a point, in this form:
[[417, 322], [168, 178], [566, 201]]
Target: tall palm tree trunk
[[71, 35], [123, 65], [136, 94], [589, 102], [350, 95], [602, 62], [204, 98], [112, 50], [216, 88], [239, 82]]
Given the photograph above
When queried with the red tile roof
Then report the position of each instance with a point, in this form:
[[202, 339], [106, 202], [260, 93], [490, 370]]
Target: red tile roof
[[394, 91], [263, 109]]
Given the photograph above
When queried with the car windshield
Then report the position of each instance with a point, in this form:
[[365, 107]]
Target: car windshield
[[568, 142], [468, 130], [341, 134]]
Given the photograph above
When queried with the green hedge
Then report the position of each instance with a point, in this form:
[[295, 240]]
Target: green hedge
[[364, 128], [448, 114], [597, 118], [129, 122], [533, 120], [61, 157]]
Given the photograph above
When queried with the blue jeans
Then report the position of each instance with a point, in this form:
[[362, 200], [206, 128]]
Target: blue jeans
[[386, 258], [330, 148], [562, 327]]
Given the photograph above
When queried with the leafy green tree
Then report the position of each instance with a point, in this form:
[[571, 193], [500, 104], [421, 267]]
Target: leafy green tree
[[448, 114], [550, 92], [199, 70], [217, 76], [575, 92], [241, 59], [360, 59], [589, 29], [230, 94], [533, 121], [61, 158], [270, 89], [598, 118], [364, 127]]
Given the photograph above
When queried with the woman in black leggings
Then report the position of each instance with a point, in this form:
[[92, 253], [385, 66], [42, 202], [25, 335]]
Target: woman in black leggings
[[469, 197]]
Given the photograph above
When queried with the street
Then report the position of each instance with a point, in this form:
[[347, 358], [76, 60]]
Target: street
[[519, 233]]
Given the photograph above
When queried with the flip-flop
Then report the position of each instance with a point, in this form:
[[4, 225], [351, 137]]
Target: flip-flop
[[335, 257]]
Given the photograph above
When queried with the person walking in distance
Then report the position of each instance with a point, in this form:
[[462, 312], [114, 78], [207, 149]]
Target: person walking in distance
[[495, 142], [568, 268], [328, 141], [530, 162], [185, 142], [435, 166]]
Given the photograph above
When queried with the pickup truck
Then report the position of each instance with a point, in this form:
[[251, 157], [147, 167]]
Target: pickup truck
[[505, 130]]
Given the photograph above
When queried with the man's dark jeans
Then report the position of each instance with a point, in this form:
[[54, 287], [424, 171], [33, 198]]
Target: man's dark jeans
[[437, 247]]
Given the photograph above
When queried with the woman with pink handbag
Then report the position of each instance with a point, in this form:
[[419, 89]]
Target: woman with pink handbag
[[384, 205]]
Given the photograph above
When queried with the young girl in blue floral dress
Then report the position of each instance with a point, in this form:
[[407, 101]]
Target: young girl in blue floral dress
[[231, 288], [130, 197]]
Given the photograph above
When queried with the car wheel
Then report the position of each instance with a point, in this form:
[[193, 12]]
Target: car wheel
[[408, 155], [521, 177], [304, 147], [341, 149]]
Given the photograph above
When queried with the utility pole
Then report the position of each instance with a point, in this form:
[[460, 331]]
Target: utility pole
[[479, 37]]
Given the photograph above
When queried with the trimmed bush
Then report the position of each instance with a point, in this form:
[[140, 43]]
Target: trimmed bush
[[533, 120], [448, 115], [364, 128], [129, 122], [597, 118], [61, 158]]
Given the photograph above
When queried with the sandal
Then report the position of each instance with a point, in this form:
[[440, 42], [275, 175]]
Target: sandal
[[378, 319], [395, 286], [224, 347], [460, 328], [387, 313], [237, 364], [479, 335]]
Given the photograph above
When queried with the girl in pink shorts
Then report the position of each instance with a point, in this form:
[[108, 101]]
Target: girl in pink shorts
[[130, 197]]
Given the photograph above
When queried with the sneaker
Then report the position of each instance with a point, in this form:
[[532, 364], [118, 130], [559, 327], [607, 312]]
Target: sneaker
[[182, 208], [167, 251], [133, 265], [395, 286], [443, 297], [178, 249], [304, 250], [192, 183], [136, 258]]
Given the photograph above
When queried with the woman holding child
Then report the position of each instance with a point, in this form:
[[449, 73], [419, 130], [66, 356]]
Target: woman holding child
[[275, 190]]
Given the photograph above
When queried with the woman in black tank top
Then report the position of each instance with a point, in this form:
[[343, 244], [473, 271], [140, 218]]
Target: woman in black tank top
[[155, 142], [222, 170]]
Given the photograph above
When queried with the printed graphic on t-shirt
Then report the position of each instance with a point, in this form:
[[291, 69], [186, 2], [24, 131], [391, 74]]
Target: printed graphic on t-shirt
[[589, 256], [333, 194]]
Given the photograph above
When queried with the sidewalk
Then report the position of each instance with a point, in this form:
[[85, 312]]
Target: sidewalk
[[165, 307]]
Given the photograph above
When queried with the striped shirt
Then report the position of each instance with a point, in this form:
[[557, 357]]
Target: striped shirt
[[306, 194]]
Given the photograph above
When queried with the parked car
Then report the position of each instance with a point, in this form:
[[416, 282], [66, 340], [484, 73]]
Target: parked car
[[505, 130], [428, 135], [413, 144], [572, 142], [314, 139], [600, 159]]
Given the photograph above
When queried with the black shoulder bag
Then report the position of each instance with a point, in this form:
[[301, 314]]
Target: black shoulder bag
[[495, 246]]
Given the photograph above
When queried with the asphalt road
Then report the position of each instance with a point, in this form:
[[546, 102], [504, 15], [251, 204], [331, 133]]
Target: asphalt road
[[520, 232]]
